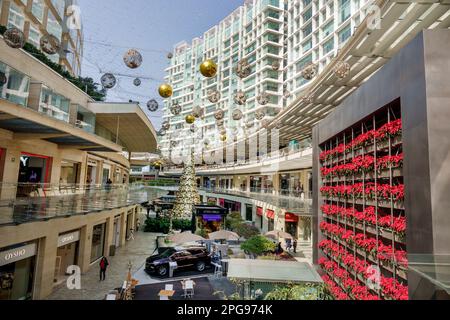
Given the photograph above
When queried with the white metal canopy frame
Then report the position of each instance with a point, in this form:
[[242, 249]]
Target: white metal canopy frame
[[366, 51]]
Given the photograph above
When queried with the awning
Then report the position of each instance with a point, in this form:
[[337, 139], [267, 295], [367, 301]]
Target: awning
[[272, 271], [259, 211], [129, 123], [270, 214], [290, 217]]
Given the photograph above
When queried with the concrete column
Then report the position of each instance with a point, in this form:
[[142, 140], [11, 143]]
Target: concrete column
[[55, 170], [109, 236], [45, 266], [123, 228], [248, 184], [10, 173], [99, 173], [4, 13], [276, 183], [243, 211], [85, 248]]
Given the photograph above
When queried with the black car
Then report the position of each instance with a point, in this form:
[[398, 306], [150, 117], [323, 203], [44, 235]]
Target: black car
[[193, 257]]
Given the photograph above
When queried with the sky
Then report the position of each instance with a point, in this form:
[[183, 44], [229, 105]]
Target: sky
[[153, 27]]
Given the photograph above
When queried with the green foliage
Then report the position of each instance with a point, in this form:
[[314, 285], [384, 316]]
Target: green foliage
[[258, 245], [85, 84], [162, 225], [246, 230], [202, 233], [233, 220], [298, 292]]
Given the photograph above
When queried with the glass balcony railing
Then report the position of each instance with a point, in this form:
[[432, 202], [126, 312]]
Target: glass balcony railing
[[291, 203], [31, 209], [54, 105], [15, 85]]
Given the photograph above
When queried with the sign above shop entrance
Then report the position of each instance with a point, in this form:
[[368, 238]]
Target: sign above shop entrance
[[68, 238], [17, 254]]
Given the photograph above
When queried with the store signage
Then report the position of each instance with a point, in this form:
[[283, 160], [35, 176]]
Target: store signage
[[212, 217], [68, 238], [17, 254]]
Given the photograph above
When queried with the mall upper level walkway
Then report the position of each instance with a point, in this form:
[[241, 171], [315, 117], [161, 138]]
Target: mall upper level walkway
[[23, 210]]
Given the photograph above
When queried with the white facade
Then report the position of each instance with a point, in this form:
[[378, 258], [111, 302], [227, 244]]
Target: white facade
[[290, 32]]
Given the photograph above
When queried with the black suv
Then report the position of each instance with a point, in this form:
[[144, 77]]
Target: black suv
[[193, 257]]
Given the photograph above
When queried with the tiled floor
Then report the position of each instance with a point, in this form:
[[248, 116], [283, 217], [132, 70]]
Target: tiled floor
[[92, 289]]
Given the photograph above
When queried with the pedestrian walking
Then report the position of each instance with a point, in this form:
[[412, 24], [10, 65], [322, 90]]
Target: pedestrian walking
[[288, 245], [131, 237], [138, 224], [103, 266], [294, 244]]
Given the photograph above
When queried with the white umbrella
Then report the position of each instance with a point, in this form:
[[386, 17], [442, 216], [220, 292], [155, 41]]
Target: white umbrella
[[223, 235], [185, 237], [279, 234]]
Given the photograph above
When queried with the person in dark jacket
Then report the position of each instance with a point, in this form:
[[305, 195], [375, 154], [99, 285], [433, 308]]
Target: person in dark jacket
[[103, 266]]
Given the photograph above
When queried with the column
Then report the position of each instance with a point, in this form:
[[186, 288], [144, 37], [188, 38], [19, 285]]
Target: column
[[10, 173], [45, 266], [85, 247], [123, 228]]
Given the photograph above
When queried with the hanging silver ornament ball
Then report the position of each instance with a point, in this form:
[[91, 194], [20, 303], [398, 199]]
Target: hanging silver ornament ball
[[276, 65], [108, 81], [286, 94], [259, 115], [213, 96], [309, 71], [137, 82], [197, 112], [165, 125], [50, 44], [132, 59], [175, 109], [249, 123], [219, 114], [237, 115], [243, 68], [152, 105], [170, 55], [342, 69], [14, 38], [161, 132], [3, 79], [174, 143], [263, 98], [220, 123], [223, 131], [240, 98]]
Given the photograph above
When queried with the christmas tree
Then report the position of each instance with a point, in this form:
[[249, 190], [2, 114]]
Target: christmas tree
[[187, 195]]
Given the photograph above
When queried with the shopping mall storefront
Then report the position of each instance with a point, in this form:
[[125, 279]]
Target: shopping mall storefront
[[66, 254], [17, 271]]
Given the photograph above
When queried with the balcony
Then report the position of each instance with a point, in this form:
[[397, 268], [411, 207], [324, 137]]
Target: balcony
[[293, 203], [290, 158], [65, 201]]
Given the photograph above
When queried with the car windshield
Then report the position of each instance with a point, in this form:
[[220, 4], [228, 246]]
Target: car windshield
[[166, 253]]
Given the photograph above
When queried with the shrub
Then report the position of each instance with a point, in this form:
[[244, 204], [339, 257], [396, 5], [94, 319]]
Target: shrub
[[246, 230], [162, 225], [258, 245], [233, 220]]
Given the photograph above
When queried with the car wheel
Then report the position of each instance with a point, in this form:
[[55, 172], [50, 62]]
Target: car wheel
[[200, 266], [162, 271]]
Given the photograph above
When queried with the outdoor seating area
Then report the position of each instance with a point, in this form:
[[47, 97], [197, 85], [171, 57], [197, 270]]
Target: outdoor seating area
[[185, 289]]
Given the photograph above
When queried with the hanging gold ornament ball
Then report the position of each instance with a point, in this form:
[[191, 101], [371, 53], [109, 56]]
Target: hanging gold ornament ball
[[190, 119], [208, 68], [223, 137], [165, 90]]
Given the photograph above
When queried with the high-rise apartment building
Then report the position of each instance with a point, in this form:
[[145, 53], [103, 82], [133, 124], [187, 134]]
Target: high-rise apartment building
[[40, 17], [292, 33]]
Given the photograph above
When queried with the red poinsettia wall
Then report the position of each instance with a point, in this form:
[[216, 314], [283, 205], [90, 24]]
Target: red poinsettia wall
[[362, 229]]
